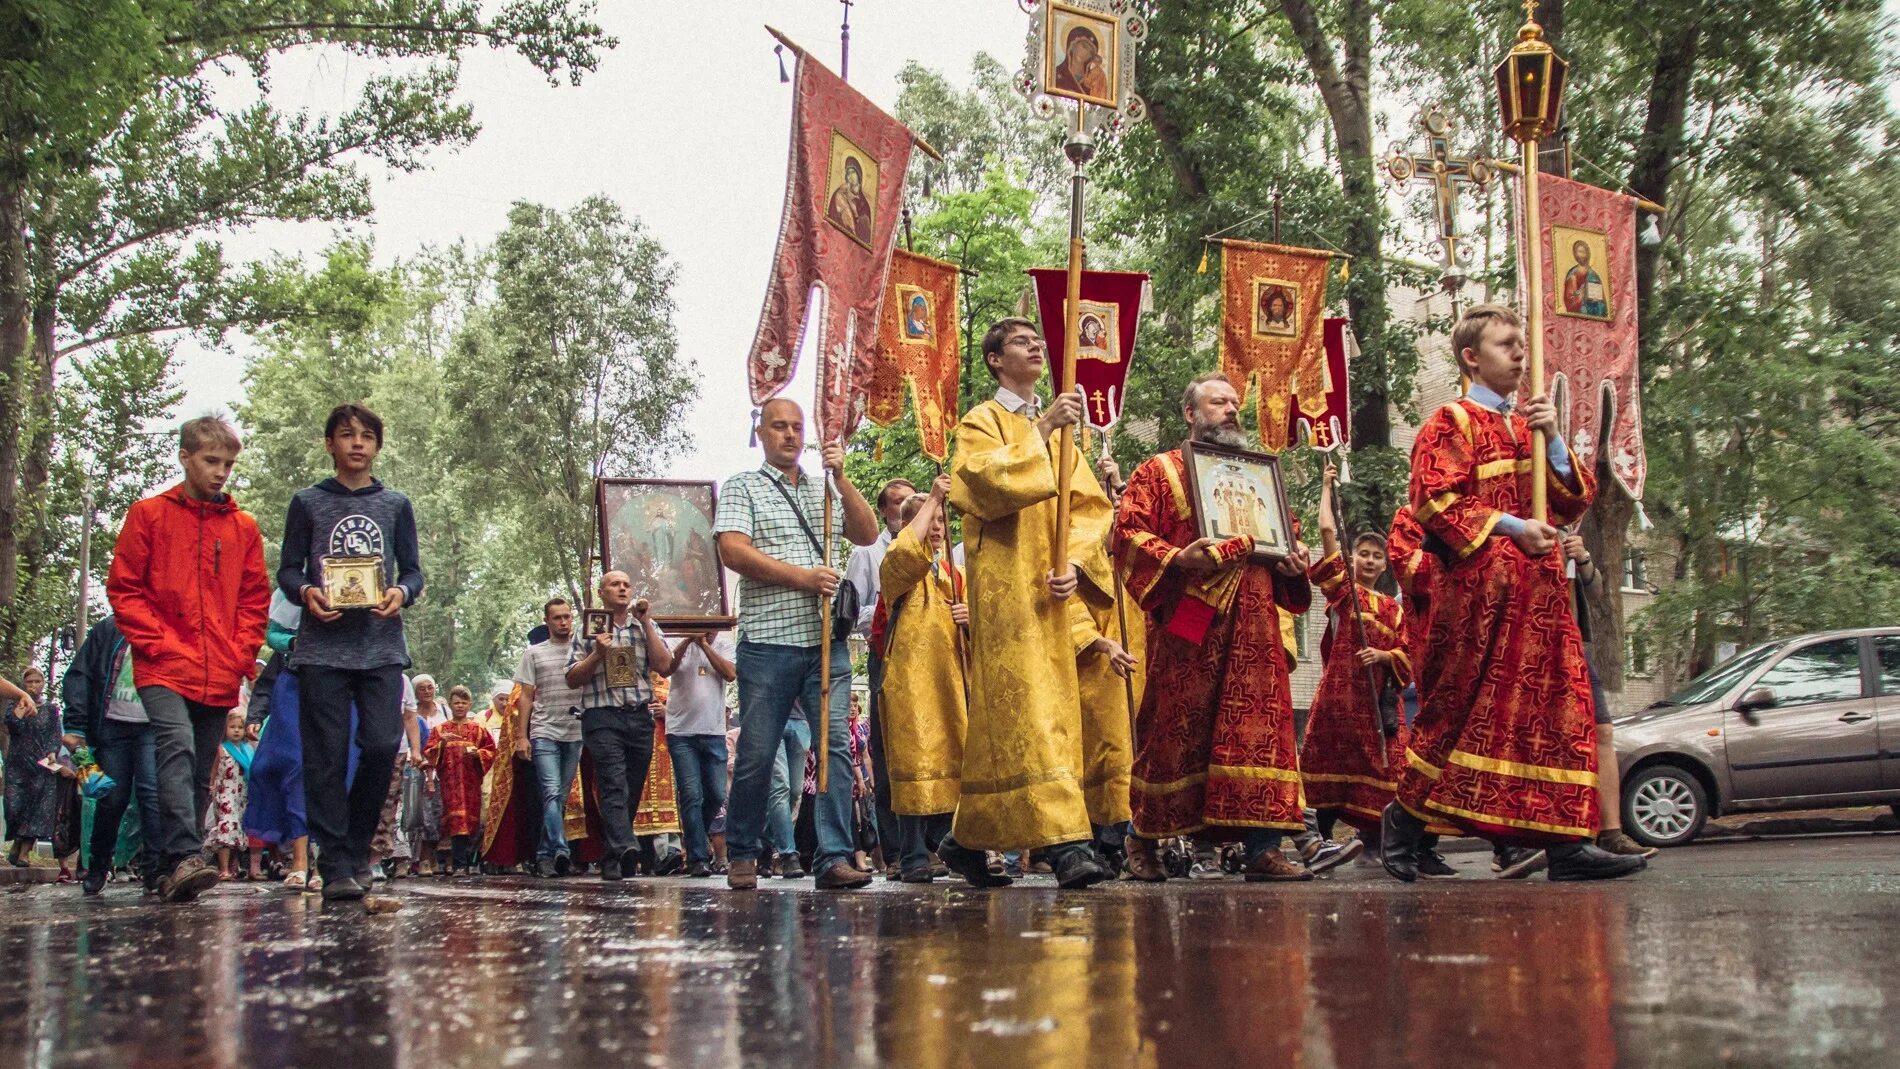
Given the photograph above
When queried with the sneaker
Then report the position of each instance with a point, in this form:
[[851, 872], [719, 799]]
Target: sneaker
[[1432, 866], [841, 875], [1616, 841], [94, 882], [790, 867], [972, 865], [1515, 863], [1078, 867], [1331, 855], [1205, 869], [742, 875], [1272, 866], [610, 869], [189, 879], [563, 864]]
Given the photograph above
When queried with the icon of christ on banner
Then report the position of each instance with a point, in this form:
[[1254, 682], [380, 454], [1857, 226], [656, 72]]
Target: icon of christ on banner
[[1585, 292], [1276, 304]]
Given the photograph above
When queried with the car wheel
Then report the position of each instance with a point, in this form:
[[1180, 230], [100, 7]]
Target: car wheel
[[1664, 806]]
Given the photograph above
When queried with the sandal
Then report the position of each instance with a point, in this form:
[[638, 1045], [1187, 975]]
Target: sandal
[[65, 875], [316, 883], [296, 881]]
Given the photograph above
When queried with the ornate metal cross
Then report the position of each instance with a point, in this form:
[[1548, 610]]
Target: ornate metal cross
[[1445, 172]]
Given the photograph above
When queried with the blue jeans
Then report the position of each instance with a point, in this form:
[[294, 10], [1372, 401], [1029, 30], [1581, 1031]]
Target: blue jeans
[[128, 753], [771, 678], [699, 774], [555, 763], [788, 787]]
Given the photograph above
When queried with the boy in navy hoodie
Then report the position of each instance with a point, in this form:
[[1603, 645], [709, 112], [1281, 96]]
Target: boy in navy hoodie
[[349, 655]]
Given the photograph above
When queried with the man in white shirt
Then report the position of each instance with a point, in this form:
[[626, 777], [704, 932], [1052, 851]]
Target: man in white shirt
[[863, 571], [696, 737]]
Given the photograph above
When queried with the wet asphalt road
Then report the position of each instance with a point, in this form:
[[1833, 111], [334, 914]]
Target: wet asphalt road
[[1777, 953]]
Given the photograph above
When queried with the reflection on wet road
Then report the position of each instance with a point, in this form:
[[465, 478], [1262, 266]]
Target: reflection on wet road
[[1751, 955]]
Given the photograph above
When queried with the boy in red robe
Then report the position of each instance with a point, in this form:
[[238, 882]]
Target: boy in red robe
[[1351, 722], [460, 751], [1504, 746]]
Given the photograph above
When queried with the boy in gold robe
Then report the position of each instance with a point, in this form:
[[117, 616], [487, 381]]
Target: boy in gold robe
[[1023, 759], [923, 699]]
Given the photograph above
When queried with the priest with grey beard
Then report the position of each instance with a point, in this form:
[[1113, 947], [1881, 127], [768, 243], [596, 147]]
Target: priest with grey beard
[[1215, 753]]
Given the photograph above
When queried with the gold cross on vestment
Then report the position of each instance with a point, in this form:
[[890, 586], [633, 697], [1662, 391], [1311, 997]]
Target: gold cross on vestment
[[1445, 172]]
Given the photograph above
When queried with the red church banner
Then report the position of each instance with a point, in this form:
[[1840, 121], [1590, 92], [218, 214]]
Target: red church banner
[[918, 345], [1588, 256], [1330, 425], [842, 198], [1273, 303], [1111, 309]]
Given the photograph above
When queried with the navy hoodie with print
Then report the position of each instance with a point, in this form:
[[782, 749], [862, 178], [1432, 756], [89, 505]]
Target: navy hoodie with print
[[331, 520]]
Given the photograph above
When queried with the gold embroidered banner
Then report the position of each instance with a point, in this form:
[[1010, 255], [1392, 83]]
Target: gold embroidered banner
[[1273, 305], [918, 344]]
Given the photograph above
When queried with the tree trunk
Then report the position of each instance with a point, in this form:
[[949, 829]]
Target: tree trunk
[[1606, 525], [15, 346]]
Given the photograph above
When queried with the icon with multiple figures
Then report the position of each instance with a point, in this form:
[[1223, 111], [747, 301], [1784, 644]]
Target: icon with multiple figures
[[1237, 492], [1080, 55], [1099, 335]]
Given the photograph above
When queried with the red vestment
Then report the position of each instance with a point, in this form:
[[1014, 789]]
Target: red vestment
[[1214, 740], [1417, 574], [460, 751], [1505, 741], [1339, 761]]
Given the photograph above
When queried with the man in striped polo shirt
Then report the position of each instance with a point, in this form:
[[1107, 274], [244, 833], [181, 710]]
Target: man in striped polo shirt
[[768, 533]]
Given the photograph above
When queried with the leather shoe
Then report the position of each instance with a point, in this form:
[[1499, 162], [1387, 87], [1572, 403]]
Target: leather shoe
[[610, 868], [343, 889], [1077, 867], [742, 875], [840, 875], [1271, 866], [1142, 862], [972, 865], [95, 880], [790, 867], [563, 864], [698, 870], [1587, 861], [1399, 836], [920, 874], [1617, 841]]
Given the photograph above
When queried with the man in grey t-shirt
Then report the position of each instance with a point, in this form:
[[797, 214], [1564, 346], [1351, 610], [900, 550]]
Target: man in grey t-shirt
[[551, 732], [696, 737]]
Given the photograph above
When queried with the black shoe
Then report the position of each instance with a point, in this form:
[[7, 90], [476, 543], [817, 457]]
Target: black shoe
[[610, 868], [343, 889], [630, 862], [790, 867], [920, 874], [1517, 862], [543, 868], [1588, 861], [699, 870], [94, 882], [563, 864], [1078, 867], [972, 865], [1399, 836], [1432, 866]]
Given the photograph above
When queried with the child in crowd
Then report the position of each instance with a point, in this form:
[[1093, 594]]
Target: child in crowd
[[460, 752], [224, 817]]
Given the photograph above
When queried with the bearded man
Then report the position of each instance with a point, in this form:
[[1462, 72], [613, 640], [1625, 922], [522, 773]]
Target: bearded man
[[1215, 751]]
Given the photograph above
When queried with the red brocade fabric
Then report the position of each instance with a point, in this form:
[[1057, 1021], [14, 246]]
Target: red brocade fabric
[[1214, 739], [1504, 745], [1339, 762]]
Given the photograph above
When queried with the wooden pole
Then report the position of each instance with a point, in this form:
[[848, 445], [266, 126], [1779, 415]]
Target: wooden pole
[[1532, 251], [1072, 333], [824, 653]]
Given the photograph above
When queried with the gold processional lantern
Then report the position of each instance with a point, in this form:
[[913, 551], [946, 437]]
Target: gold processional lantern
[[1530, 100]]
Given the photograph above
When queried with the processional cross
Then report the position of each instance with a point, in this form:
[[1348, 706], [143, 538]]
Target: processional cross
[[1446, 173]]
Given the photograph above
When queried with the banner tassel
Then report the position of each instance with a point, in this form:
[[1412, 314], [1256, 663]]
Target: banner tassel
[[1202, 270]]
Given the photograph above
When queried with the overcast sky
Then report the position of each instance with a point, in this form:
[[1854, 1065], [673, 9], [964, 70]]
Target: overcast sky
[[685, 125]]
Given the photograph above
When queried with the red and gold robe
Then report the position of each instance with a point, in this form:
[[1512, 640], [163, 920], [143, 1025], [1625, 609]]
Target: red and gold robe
[[460, 751], [511, 812], [1214, 739], [1505, 741], [1417, 574], [1339, 763]]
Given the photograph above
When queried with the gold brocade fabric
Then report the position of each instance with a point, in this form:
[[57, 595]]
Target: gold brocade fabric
[[1023, 758], [918, 344], [498, 791], [1107, 747], [922, 703], [658, 811], [1273, 310]]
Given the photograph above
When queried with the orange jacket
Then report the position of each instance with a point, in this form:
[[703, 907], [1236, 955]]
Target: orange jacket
[[190, 592]]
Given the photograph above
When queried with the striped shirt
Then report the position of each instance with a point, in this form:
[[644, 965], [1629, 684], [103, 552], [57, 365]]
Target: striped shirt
[[749, 505], [595, 693], [557, 706]]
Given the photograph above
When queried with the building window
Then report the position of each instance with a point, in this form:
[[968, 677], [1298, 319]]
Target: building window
[[1636, 572], [1638, 655]]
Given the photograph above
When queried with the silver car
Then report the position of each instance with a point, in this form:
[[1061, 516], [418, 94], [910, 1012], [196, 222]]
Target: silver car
[[1800, 723]]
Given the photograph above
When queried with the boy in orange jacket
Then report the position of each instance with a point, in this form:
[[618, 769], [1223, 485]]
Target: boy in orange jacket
[[191, 595]]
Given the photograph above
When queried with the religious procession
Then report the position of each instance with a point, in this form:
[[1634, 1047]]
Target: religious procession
[[1153, 557]]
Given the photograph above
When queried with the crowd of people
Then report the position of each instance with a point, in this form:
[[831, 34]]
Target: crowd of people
[[1110, 700]]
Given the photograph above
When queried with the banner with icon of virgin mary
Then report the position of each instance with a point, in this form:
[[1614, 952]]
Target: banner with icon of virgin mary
[[1111, 310], [843, 194], [918, 344]]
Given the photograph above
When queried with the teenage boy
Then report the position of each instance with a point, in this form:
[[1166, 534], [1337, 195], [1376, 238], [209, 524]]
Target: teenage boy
[[1504, 746], [191, 595], [351, 655]]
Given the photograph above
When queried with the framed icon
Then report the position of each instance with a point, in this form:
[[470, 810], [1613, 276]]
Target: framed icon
[[623, 666], [660, 532], [1581, 261], [1237, 492], [1276, 308], [596, 622], [1081, 55], [353, 582], [1099, 333]]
